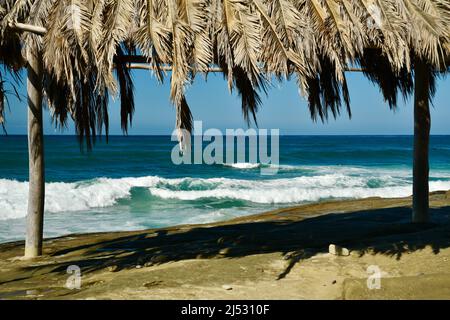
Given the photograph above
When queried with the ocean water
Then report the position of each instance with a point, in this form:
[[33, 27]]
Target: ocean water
[[131, 183]]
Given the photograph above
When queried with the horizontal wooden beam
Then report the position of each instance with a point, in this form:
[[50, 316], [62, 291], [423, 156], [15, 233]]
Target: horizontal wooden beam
[[148, 66], [131, 59], [354, 70], [41, 31]]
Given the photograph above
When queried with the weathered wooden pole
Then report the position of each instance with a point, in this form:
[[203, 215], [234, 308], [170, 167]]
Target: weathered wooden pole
[[422, 124], [36, 192]]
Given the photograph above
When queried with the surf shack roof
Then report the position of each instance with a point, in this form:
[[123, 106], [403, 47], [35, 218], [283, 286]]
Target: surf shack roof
[[89, 46]]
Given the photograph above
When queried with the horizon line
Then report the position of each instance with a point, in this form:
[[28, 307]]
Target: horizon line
[[281, 135]]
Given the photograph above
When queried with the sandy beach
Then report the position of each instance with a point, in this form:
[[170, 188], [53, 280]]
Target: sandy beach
[[282, 254]]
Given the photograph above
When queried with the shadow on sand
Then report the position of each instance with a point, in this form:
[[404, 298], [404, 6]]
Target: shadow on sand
[[382, 231]]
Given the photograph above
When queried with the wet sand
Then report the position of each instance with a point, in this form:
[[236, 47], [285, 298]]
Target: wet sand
[[282, 254]]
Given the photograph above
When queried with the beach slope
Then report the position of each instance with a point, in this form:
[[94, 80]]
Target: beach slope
[[282, 254]]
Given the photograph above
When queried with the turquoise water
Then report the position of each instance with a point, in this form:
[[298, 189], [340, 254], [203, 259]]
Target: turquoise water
[[131, 183]]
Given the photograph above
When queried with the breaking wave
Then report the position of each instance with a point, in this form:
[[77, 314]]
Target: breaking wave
[[320, 183]]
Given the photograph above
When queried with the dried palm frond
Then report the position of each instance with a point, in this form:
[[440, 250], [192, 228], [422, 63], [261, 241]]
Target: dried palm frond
[[325, 91], [428, 28], [252, 41], [117, 22], [4, 100], [126, 90], [378, 69], [153, 36], [11, 60]]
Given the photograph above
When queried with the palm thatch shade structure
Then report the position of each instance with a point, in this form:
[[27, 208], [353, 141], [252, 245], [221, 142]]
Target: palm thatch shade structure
[[79, 51]]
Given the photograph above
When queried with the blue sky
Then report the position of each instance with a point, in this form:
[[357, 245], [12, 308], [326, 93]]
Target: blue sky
[[283, 109]]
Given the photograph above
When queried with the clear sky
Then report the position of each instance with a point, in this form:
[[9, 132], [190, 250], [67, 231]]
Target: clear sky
[[283, 109]]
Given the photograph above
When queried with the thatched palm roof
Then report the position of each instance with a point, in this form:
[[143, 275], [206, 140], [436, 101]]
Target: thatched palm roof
[[252, 41]]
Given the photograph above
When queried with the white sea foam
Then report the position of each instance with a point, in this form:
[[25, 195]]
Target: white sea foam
[[62, 196], [329, 182], [295, 190], [321, 183]]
